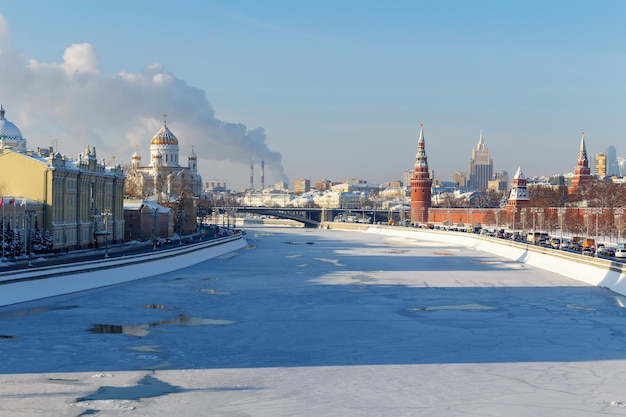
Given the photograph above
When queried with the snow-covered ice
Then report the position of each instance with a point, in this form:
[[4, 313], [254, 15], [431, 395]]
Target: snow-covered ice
[[323, 323]]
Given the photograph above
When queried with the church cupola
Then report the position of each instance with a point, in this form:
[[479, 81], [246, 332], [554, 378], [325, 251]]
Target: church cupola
[[136, 159], [193, 161], [165, 143], [10, 135]]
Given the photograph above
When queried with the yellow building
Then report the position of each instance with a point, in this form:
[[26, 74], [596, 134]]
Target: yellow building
[[601, 164], [80, 200]]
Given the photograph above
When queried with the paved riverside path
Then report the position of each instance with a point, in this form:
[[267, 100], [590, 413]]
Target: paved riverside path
[[308, 322]]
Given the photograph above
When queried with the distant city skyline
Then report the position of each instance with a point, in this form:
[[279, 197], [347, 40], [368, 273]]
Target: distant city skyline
[[319, 90]]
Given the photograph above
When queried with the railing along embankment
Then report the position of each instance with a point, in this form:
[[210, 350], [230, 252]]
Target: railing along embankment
[[30, 284]]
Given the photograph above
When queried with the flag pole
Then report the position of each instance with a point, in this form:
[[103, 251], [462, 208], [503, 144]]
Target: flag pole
[[23, 203]]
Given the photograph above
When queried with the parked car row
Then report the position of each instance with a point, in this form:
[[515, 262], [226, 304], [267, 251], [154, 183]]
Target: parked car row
[[585, 247]]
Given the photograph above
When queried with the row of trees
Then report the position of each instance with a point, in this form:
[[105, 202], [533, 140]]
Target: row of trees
[[596, 193], [590, 221], [14, 245], [596, 208]]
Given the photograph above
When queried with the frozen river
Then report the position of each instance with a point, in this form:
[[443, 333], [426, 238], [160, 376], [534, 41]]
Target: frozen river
[[323, 323]]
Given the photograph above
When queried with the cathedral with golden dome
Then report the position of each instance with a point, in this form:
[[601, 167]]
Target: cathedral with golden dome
[[163, 179]]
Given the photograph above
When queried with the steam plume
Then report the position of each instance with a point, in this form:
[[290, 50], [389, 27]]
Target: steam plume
[[116, 113]]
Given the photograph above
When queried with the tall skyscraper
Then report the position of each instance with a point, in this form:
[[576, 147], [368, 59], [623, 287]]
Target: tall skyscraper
[[421, 183], [481, 166], [612, 167]]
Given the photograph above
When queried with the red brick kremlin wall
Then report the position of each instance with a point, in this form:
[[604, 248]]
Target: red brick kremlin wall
[[574, 219]]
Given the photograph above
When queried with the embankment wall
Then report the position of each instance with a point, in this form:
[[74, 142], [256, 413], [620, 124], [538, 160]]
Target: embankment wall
[[36, 283]]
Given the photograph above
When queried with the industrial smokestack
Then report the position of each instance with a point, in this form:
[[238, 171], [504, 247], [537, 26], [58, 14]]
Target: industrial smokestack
[[251, 176], [262, 175]]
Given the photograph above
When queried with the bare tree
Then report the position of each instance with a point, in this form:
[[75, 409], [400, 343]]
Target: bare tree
[[606, 194], [489, 198], [547, 196], [133, 185]]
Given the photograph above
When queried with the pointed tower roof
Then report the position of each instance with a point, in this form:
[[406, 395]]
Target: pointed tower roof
[[136, 154], [192, 155], [481, 142], [582, 154], [421, 160], [518, 197]]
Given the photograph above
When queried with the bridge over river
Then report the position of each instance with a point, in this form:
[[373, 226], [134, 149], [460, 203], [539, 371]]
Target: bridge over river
[[313, 216]]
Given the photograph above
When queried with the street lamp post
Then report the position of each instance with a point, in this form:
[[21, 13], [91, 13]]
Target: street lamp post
[[513, 213], [522, 212], [597, 211], [497, 213], [619, 212], [106, 214], [535, 211], [179, 215], [3, 234], [154, 212], [30, 214], [561, 211]]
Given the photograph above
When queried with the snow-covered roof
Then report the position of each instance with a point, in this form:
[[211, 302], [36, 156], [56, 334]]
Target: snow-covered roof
[[137, 204]]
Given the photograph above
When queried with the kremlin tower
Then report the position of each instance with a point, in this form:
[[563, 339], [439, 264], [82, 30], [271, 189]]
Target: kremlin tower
[[582, 173], [519, 193], [420, 183], [518, 198]]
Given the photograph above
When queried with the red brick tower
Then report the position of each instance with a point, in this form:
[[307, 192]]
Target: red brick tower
[[518, 198], [582, 173], [420, 183], [519, 192]]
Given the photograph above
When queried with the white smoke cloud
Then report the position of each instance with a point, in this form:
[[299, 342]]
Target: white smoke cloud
[[121, 112]]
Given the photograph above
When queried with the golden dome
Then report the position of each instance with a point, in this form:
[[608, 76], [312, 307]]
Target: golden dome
[[164, 136]]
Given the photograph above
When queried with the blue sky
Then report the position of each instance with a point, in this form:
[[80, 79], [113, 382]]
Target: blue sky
[[320, 89]]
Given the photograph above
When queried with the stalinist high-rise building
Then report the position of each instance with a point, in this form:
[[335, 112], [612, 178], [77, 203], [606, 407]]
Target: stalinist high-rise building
[[421, 183], [481, 166]]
